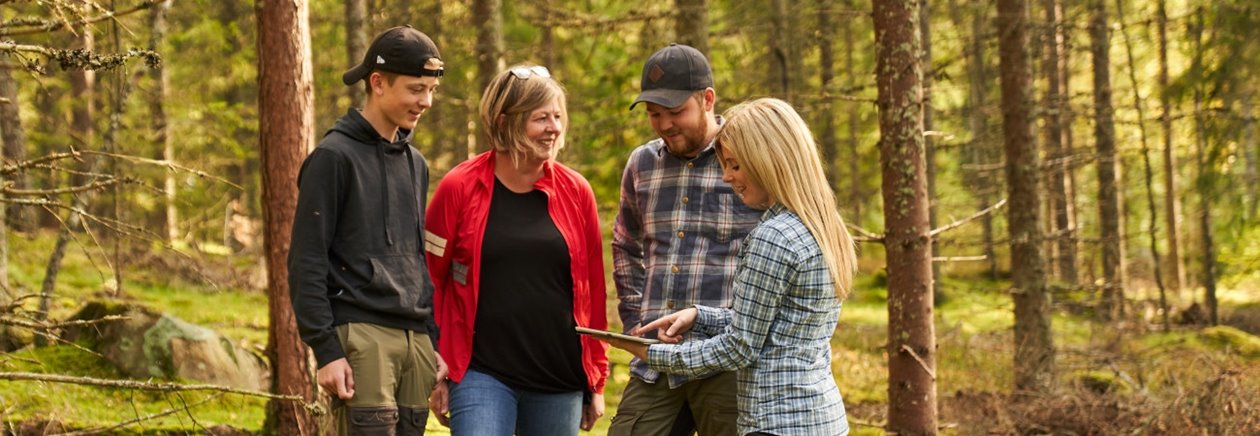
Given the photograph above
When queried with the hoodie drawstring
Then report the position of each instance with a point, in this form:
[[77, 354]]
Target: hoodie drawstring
[[380, 158], [411, 169]]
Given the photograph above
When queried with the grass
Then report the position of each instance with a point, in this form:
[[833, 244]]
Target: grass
[[973, 331]]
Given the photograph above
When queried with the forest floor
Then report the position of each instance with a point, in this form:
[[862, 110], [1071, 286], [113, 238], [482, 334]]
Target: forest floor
[[1128, 376]]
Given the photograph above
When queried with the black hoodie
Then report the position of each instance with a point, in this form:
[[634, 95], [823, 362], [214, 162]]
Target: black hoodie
[[356, 252]]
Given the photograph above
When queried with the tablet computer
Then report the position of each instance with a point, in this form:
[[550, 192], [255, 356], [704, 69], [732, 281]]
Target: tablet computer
[[609, 335]]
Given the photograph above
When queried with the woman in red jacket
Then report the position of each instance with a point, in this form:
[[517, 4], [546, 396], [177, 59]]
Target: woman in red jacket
[[513, 244]]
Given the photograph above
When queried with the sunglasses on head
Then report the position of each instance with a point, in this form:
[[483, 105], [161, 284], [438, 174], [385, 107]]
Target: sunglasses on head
[[524, 73]]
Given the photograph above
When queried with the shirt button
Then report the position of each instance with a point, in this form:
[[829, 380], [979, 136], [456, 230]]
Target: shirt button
[[680, 233], [670, 304], [691, 164], [674, 269], [686, 200]]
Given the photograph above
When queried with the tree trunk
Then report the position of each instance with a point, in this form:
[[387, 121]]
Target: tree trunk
[[357, 39], [1204, 184], [978, 156], [1251, 155], [1034, 347], [157, 115], [779, 76], [1112, 305], [1064, 248], [286, 133], [826, 76], [1172, 203], [929, 143], [82, 91], [118, 108], [547, 37], [14, 136], [1152, 226], [907, 241], [488, 19], [855, 169], [692, 25]]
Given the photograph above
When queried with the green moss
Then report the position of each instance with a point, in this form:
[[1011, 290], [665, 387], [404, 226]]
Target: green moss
[[1229, 339], [1103, 382]]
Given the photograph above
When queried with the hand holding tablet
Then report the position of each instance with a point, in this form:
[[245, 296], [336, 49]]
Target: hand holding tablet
[[605, 335]]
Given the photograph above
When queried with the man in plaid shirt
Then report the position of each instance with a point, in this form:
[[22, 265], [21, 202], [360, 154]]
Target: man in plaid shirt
[[675, 241]]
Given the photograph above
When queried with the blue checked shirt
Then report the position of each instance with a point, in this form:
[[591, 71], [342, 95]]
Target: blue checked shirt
[[675, 239], [777, 335]]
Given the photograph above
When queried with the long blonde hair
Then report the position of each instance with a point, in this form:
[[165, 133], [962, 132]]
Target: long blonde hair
[[513, 98], [776, 149]]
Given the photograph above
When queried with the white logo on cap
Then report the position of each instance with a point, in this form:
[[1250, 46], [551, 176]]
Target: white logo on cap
[[380, 60]]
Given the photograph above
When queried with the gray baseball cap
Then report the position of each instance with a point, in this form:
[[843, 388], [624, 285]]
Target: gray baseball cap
[[672, 74]]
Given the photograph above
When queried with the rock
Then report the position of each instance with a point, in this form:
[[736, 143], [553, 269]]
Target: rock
[[150, 344]]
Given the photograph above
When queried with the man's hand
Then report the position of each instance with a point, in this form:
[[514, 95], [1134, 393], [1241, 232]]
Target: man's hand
[[592, 412], [440, 398], [337, 377], [670, 328], [440, 402]]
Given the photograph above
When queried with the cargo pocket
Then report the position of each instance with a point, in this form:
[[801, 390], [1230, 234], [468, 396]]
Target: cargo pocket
[[623, 424], [411, 421], [372, 421]]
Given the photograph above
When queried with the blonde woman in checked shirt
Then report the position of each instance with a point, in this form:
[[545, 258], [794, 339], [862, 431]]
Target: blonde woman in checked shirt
[[795, 268]]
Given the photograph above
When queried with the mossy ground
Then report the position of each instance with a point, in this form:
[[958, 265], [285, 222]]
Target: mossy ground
[[973, 331]]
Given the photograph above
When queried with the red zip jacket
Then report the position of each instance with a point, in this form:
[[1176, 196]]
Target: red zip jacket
[[454, 228]]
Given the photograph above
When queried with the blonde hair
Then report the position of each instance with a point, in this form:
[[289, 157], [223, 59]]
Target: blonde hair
[[514, 98], [776, 149]]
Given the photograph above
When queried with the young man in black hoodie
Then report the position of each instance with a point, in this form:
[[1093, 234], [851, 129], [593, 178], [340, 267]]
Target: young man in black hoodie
[[360, 289]]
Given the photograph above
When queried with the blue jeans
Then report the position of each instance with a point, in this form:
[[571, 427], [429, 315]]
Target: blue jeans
[[482, 405]]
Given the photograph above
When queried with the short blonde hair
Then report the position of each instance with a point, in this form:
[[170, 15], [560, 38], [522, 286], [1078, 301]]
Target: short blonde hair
[[777, 151], [514, 98]]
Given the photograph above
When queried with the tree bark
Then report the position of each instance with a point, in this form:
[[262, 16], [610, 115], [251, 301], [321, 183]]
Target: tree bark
[[692, 25], [157, 115], [488, 19], [1152, 226], [977, 156], [1055, 119], [82, 124], [907, 241], [1112, 305], [357, 39], [826, 77], [929, 142], [1172, 203], [855, 170], [14, 137], [779, 77], [1204, 184], [1034, 346], [286, 134]]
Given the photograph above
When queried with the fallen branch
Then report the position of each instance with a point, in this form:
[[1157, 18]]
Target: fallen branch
[[312, 407], [55, 325], [149, 417]]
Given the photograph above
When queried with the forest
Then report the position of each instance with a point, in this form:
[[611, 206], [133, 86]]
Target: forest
[[1056, 203]]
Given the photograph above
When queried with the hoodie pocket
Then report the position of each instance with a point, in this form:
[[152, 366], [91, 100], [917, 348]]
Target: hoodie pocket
[[400, 276]]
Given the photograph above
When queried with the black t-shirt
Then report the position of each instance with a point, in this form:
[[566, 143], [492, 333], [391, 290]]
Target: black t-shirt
[[524, 329]]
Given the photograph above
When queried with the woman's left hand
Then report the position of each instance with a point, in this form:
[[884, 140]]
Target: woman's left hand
[[592, 412]]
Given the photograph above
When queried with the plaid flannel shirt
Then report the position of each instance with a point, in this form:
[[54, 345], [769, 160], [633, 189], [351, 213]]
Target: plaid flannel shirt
[[777, 335], [675, 239]]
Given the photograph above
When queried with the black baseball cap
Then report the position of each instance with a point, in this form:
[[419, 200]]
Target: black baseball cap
[[672, 74], [402, 50]]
